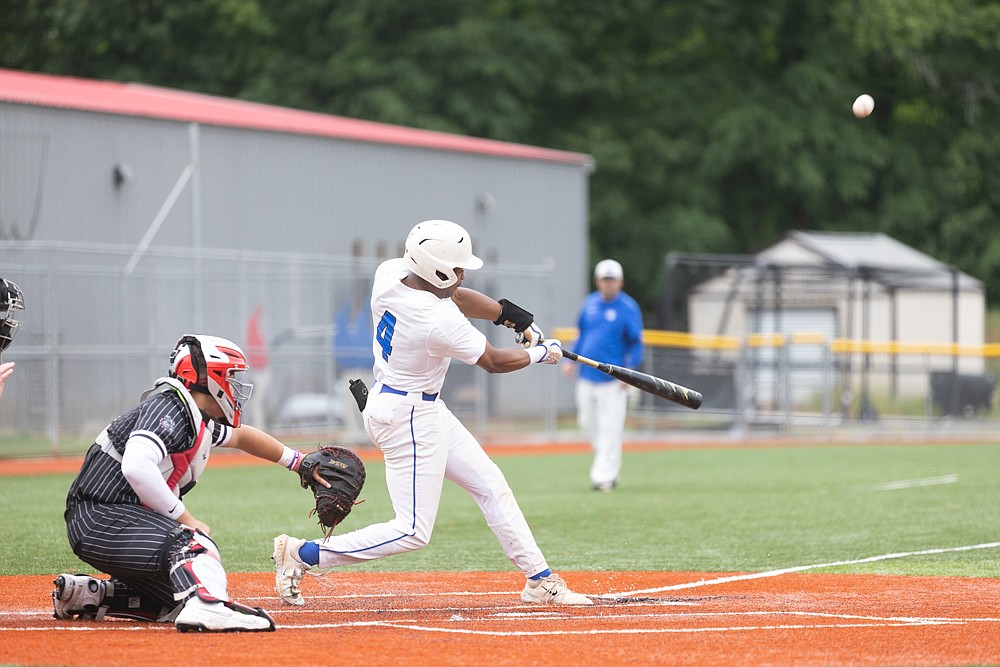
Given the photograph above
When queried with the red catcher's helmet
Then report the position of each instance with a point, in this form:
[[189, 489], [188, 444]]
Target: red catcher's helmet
[[213, 366]]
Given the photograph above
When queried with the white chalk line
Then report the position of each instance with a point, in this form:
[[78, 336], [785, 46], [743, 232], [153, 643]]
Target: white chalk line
[[634, 631], [694, 584], [915, 483], [608, 631], [123, 626], [398, 594], [803, 568], [514, 610], [492, 614], [421, 625]]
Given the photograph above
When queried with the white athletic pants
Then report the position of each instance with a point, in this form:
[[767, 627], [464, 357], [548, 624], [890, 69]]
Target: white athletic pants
[[423, 444], [600, 412]]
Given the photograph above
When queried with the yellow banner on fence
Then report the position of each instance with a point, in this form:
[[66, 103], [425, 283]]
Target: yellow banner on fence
[[681, 339]]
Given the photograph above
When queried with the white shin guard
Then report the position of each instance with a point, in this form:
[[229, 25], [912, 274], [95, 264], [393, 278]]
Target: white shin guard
[[202, 561], [211, 576]]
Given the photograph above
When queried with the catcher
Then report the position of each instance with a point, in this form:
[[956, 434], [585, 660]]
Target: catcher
[[125, 512]]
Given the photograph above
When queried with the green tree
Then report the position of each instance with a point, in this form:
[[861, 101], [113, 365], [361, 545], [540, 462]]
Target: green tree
[[939, 65], [716, 126], [208, 46]]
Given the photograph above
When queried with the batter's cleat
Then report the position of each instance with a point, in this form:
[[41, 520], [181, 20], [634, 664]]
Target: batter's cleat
[[200, 616], [551, 590], [77, 595], [288, 569]]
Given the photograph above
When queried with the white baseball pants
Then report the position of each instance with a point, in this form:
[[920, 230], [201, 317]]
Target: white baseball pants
[[600, 413], [423, 444]]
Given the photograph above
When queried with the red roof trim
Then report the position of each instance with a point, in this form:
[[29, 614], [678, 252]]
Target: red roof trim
[[134, 99]]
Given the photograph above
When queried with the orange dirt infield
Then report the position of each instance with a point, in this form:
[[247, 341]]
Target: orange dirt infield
[[645, 618]]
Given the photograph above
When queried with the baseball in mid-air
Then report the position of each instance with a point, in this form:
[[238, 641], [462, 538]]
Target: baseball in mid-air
[[864, 105]]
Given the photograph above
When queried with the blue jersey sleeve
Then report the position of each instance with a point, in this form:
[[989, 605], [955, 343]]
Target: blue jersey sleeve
[[633, 336]]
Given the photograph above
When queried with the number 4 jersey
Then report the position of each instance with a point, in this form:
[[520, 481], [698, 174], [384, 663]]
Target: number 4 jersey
[[417, 334]]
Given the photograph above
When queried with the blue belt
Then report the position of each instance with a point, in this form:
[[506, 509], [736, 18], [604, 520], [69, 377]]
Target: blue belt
[[386, 389]]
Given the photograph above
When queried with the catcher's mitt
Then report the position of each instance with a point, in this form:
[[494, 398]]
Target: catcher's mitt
[[345, 473]]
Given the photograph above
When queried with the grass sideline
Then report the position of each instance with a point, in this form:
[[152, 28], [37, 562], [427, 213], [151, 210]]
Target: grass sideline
[[701, 509]]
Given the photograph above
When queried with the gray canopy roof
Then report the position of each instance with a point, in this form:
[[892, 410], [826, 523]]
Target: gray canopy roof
[[881, 258]]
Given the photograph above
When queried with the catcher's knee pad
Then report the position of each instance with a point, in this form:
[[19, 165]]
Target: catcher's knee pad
[[194, 566]]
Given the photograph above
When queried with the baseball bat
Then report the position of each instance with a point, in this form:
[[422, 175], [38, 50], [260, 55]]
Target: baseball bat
[[650, 384]]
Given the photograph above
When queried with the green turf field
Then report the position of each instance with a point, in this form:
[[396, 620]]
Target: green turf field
[[712, 510]]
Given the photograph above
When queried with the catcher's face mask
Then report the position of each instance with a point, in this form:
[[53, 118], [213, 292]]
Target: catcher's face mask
[[11, 299], [214, 366]]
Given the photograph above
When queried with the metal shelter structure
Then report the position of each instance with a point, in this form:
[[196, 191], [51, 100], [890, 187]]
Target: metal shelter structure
[[833, 286]]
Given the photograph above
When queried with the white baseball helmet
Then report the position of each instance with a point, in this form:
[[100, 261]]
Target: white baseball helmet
[[214, 366], [435, 248]]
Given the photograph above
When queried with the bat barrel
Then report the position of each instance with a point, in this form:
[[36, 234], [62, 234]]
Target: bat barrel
[[694, 399], [648, 383]]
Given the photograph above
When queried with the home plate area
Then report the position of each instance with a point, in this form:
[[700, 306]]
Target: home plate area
[[433, 606]]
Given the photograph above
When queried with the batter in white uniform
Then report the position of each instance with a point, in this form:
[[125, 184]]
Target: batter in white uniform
[[420, 313]]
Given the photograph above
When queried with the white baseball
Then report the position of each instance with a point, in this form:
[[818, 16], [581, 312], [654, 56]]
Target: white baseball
[[864, 105]]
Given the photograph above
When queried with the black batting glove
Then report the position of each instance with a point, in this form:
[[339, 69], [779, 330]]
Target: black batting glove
[[513, 316]]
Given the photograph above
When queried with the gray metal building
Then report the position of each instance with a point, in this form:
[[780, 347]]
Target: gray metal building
[[131, 214]]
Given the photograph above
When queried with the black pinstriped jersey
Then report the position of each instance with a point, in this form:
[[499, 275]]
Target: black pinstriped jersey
[[163, 419]]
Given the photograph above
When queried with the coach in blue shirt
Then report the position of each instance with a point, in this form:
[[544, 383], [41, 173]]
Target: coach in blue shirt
[[610, 325]]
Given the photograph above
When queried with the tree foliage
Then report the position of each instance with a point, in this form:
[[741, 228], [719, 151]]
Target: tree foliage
[[716, 126]]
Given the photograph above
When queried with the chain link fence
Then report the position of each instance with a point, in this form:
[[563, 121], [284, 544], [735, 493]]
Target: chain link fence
[[805, 383], [94, 336]]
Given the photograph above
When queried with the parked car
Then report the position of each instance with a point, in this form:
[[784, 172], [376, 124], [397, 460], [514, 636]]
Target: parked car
[[309, 411]]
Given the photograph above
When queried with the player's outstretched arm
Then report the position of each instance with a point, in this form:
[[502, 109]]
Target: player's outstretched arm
[[257, 443], [506, 360], [502, 313], [476, 305], [502, 359], [252, 440]]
